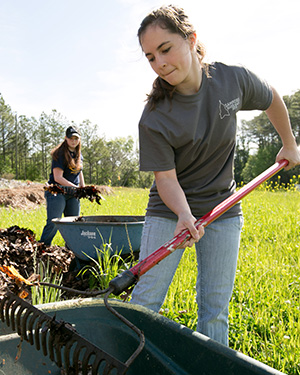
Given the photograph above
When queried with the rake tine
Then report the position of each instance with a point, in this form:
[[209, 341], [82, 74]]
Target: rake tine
[[58, 349], [85, 360], [14, 307], [38, 325], [7, 306], [33, 318], [51, 347], [18, 319], [108, 368], [44, 333], [67, 351], [39, 332], [96, 364], [76, 354], [2, 303], [24, 329], [58, 355]]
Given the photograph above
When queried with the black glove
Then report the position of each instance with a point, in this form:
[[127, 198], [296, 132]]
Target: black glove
[[70, 190]]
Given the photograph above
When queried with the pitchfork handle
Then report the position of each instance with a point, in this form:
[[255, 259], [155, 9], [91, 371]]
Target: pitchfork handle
[[130, 277]]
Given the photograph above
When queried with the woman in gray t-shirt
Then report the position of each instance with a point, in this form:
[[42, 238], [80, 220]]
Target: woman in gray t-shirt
[[187, 138]]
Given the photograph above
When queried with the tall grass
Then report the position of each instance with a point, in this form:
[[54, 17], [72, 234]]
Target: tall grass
[[44, 294], [264, 311], [265, 307], [104, 268]]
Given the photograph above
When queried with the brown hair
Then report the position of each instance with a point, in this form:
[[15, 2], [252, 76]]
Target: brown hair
[[75, 164], [176, 21]]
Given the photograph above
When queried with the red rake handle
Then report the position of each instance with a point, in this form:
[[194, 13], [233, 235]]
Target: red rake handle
[[179, 240]]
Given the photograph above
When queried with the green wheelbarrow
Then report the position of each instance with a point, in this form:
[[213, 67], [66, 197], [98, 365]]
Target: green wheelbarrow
[[170, 348]]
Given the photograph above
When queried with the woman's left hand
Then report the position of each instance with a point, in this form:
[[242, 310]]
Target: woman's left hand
[[292, 154]]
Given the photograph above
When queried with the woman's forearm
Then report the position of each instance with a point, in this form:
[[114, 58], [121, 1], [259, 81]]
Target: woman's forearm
[[171, 192], [81, 180], [174, 198]]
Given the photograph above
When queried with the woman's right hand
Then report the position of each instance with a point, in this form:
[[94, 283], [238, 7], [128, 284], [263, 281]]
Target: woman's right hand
[[173, 196], [187, 221]]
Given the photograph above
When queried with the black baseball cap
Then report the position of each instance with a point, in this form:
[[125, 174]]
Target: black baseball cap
[[72, 132]]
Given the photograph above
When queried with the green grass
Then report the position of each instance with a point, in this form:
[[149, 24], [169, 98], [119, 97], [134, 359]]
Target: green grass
[[105, 268], [265, 306], [264, 311], [44, 294]]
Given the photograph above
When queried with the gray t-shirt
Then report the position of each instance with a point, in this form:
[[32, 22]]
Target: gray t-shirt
[[196, 134]]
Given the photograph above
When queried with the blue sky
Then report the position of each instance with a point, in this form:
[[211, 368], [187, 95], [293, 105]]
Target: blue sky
[[82, 58]]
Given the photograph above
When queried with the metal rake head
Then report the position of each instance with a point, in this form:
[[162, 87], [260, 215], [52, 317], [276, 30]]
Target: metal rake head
[[57, 339]]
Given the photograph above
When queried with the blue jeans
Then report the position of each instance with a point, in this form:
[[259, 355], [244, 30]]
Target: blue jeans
[[56, 206], [217, 254]]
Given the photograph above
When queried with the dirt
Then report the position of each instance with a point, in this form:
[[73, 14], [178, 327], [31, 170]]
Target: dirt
[[24, 197]]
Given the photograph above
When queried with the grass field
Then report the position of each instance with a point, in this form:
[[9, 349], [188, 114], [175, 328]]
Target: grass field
[[264, 311]]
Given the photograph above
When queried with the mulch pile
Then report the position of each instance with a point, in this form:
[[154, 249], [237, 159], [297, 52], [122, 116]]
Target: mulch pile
[[26, 197], [19, 248]]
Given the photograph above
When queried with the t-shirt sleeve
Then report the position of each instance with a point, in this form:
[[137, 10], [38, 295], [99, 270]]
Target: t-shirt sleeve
[[59, 163], [156, 154], [257, 93]]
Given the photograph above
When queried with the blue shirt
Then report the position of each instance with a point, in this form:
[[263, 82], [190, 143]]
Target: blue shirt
[[68, 173]]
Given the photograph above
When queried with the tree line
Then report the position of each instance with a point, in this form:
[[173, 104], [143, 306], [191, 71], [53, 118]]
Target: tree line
[[260, 132], [25, 145]]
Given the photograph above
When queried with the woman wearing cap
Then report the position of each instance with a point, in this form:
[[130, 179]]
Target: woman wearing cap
[[66, 171]]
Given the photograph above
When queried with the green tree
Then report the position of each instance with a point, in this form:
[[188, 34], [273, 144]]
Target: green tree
[[49, 131], [242, 153], [293, 105], [6, 134], [57, 125], [22, 139], [261, 132], [91, 150], [122, 160]]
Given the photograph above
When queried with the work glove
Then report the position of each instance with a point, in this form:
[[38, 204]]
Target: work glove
[[69, 190]]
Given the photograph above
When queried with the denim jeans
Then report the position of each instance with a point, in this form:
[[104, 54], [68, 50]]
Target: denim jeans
[[56, 206], [217, 254]]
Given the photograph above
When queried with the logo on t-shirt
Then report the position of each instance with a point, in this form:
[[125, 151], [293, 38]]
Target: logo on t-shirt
[[224, 109]]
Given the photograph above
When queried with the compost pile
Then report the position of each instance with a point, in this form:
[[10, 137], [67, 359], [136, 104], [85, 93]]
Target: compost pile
[[19, 248], [22, 195]]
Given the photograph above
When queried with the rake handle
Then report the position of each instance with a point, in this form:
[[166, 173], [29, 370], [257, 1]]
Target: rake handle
[[129, 277]]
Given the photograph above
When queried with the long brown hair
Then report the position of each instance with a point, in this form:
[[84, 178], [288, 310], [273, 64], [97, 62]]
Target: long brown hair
[[176, 21], [75, 164]]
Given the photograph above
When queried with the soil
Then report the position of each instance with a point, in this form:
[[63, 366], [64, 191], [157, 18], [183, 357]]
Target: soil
[[20, 249], [23, 196]]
